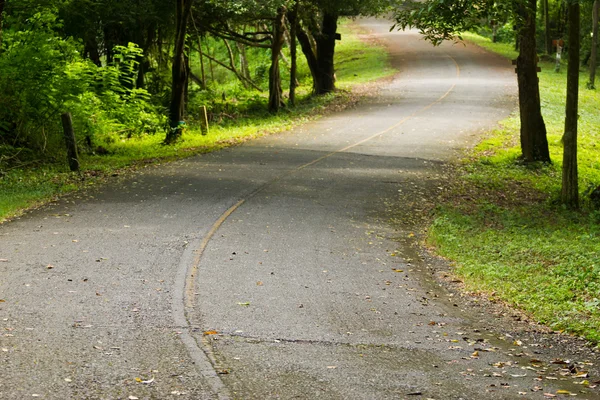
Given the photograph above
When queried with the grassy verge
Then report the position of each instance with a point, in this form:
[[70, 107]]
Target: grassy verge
[[504, 227], [357, 63]]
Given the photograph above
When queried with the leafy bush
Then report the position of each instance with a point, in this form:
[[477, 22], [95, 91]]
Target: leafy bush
[[43, 75]]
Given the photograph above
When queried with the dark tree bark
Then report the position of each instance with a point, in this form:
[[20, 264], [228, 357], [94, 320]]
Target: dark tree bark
[[547, 33], [594, 56], [325, 54], [179, 72], [534, 143], [307, 49], [91, 51], [570, 186], [275, 91], [293, 52], [319, 50]]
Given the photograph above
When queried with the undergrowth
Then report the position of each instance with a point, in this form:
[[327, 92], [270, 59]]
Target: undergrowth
[[31, 181], [503, 225]]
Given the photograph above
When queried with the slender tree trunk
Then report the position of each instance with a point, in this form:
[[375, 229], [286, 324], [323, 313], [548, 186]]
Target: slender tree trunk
[[244, 66], [570, 185], [325, 54], [179, 71], [275, 91], [91, 51], [186, 88], [594, 56], [547, 33], [2, 3], [202, 68], [534, 144], [293, 53], [311, 58], [232, 63], [201, 52]]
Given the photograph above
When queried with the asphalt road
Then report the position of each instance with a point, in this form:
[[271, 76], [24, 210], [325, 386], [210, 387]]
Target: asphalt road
[[272, 270]]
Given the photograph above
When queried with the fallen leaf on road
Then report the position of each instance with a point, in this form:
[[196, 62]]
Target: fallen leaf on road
[[211, 333], [49, 266], [3, 260], [246, 304], [397, 270], [563, 392]]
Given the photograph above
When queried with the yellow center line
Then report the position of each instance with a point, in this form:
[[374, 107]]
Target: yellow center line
[[193, 271]]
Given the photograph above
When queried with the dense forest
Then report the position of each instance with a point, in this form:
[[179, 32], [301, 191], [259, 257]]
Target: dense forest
[[127, 68]]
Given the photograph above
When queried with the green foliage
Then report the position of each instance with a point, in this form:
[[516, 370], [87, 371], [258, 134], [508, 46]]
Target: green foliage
[[513, 238], [37, 182], [440, 20], [43, 75]]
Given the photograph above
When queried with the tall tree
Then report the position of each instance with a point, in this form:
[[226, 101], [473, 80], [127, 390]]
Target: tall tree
[[180, 71], [594, 56], [440, 20], [318, 34], [245, 22], [534, 142], [275, 91], [293, 52], [547, 33], [570, 186]]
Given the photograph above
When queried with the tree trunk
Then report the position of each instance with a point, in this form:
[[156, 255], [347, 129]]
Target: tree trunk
[[325, 54], [570, 186], [547, 33], [202, 69], [594, 56], [201, 52], [293, 53], [275, 91], [307, 50], [244, 66], [179, 72], [534, 144]]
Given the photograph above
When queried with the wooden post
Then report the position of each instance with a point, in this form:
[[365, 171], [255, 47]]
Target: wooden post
[[204, 121], [73, 157]]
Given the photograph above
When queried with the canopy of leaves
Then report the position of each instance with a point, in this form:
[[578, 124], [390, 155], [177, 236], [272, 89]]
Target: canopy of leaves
[[440, 20]]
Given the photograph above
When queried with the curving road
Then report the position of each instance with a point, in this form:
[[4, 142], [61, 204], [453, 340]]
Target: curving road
[[271, 270]]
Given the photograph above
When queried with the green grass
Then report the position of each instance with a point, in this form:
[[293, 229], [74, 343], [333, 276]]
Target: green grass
[[357, 63], [505, 229]]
